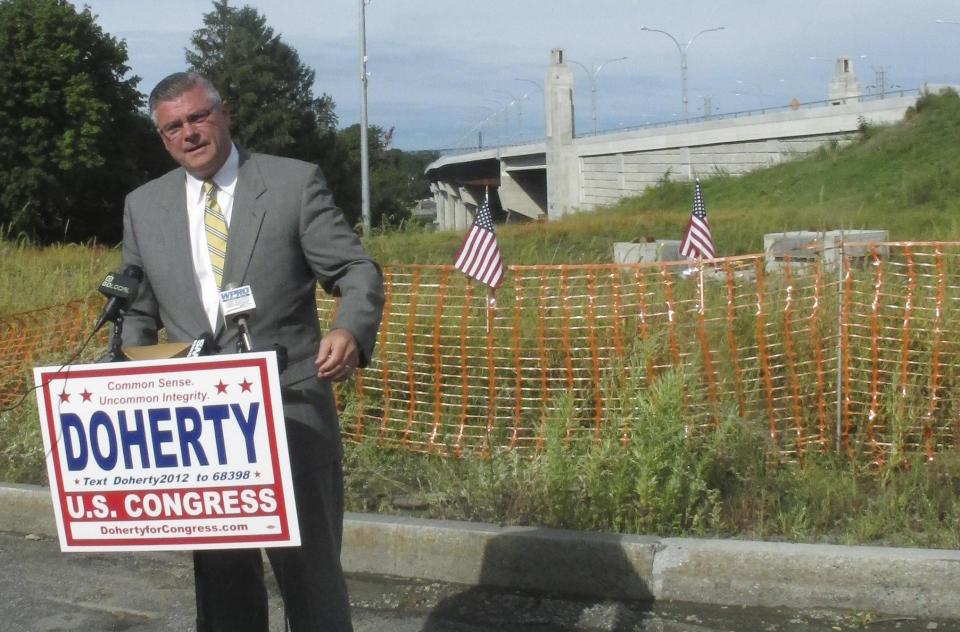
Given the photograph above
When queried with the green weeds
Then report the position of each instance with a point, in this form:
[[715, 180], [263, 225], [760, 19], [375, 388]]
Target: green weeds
[[641, 471]]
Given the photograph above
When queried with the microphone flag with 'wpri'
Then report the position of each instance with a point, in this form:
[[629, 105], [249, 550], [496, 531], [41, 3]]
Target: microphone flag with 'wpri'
[[479, 255], [236, 303], [697, 241]]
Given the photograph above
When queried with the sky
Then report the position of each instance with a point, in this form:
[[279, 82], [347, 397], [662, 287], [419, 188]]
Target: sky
[[448, 74]]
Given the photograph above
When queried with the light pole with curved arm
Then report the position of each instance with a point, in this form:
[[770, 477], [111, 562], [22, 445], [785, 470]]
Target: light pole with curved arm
[[517, 101], [535, 85], [683, 59], [531, 81], [592, 75]]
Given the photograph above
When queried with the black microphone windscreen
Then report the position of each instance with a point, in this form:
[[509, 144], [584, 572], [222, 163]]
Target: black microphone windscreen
[[206, 344], [134, 271]]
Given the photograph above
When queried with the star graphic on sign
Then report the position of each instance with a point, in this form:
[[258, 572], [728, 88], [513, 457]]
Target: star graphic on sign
[[245, 385], [86, 395], [64, 396], [221, 388], [256, 474]]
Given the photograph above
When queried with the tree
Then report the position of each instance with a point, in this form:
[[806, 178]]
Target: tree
[[396, 178], [272, 109], [270, 93], [70, 129]]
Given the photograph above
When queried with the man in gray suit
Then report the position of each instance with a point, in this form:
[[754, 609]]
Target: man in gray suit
[[283, 235]]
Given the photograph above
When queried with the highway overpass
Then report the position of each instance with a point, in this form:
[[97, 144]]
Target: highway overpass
[[565, 173]]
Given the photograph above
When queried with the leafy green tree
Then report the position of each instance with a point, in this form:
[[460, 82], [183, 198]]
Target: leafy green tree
[[413, 164], [70, 130], [273, 110], [389, 201], [397, 180], [269, 91]]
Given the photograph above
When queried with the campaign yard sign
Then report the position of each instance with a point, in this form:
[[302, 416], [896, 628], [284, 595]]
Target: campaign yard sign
[[187, 453]]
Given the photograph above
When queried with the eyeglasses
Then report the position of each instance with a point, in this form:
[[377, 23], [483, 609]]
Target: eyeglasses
[[174, 129]]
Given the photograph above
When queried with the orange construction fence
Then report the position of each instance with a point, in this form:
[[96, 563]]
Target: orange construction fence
[[837, 352]]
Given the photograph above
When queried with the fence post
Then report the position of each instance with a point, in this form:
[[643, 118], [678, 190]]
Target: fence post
[[840, 299]]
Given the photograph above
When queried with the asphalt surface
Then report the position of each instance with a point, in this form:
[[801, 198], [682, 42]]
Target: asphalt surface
[[44, 590], [408, 575]]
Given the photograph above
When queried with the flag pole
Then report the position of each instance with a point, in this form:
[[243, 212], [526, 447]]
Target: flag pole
[[491, 296], [479, 254], [700, 281]]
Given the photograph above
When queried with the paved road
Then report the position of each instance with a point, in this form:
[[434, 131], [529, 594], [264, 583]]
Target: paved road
[[44, 590]]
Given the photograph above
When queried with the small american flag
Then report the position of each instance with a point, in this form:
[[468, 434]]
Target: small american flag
[[697, 241], [479, 255]]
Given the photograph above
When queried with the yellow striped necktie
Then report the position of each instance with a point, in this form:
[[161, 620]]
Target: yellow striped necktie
[[216, 230]]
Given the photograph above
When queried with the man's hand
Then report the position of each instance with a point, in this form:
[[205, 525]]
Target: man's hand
[[338, 355]]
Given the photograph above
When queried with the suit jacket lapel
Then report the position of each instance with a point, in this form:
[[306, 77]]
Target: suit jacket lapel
[[172, 222], [245, 220]]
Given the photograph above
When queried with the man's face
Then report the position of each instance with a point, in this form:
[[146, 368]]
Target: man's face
[[195, 133]]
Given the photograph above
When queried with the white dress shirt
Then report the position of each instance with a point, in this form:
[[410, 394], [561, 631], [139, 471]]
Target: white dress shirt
[[226, 181]]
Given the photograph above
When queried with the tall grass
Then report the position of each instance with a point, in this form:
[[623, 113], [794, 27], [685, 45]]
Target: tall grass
[[35, 277], [664, 483]]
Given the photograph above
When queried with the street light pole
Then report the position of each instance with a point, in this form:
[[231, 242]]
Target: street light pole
[[495, 115], [506, 121], [683, 59], [592, 76], [535, 85], [515, 100], [364, 149]]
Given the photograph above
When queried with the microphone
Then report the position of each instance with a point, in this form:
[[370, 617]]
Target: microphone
[[119, 288], [238, 303], [204, 345]]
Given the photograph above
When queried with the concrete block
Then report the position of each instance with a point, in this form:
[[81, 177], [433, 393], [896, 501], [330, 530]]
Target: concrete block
[[914, 582], [804, 247], [646, 252]]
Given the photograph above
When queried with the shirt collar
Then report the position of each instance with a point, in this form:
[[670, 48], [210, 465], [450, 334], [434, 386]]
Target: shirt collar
[[225, 179]]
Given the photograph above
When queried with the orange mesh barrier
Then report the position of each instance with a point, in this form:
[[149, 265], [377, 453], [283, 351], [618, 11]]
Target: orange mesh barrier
[[859, 356], [46, 336]]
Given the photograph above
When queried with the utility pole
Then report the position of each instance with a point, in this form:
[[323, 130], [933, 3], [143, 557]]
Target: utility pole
[[364, 149]]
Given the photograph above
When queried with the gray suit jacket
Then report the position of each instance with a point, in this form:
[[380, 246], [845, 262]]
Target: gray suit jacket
[[286, 235]]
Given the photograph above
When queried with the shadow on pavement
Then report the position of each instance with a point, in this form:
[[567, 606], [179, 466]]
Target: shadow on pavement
[[528, 583]]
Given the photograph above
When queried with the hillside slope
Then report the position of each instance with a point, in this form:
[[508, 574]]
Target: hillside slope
[[904, 178]]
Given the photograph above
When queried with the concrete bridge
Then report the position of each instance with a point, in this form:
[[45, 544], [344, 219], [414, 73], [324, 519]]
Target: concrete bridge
[[565, 173]]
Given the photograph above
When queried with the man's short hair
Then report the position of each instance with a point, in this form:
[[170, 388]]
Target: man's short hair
[[172, 86]]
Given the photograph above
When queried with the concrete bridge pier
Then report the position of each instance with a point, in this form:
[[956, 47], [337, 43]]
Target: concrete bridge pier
[[561, 161]]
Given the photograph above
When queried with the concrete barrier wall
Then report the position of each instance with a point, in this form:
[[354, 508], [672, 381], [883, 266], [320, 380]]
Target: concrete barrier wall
[[605, 178]]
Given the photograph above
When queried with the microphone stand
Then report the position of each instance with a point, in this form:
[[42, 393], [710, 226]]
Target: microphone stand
[[115, 351], [244, 343]]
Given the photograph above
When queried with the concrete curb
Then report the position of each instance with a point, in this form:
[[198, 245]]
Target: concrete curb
[[893, 581]]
